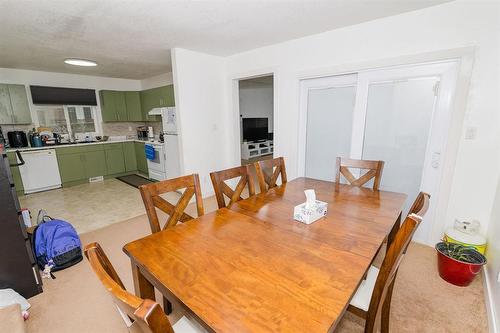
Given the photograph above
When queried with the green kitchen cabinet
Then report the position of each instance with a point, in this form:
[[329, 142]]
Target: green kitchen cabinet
[[167, 94], [20, 106], [94, 163], [71, 167], [14, 106], [16, 174], [120, 106], [108, 110], [140, 154], [5, 106], [133, 106], [113, 106], [155, 98], [115, 162], [129, 156]]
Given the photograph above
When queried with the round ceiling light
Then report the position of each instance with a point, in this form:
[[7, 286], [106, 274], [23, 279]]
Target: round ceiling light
[[80, 62]]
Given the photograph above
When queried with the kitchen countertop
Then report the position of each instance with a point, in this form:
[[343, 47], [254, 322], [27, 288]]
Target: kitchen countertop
[[79, 144]]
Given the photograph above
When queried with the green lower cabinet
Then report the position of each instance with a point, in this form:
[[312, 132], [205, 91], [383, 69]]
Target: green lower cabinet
[[140, 154], [129, 156], [115, 162], [71, 167], [16, 175], [94, 163]]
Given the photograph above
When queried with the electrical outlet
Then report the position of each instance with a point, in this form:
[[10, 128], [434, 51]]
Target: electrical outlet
[[498, 277], [130, 128]]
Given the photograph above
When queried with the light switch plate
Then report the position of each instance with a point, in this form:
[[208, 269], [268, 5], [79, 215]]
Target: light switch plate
[[470, 133]]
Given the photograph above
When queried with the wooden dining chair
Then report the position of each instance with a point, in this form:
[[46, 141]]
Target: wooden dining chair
[[221, 188], [372, 300], [268, 172], [374, 171], [151, 196], [139, 315]]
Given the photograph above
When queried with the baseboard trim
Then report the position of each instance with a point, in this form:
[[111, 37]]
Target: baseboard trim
[[490, 306]]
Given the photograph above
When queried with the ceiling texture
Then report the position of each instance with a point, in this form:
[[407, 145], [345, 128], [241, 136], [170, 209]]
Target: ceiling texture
[[132, 38]]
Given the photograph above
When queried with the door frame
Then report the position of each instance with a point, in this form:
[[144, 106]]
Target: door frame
[[236, 122], [447, 72]]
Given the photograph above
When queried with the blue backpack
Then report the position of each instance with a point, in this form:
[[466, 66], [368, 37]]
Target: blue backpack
[[56, 244]]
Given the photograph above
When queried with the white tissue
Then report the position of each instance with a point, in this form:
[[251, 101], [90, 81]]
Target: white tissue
[[310, 198]]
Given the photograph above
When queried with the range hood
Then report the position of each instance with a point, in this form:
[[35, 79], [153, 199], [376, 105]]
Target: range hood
[[160, 111], [155, 112]]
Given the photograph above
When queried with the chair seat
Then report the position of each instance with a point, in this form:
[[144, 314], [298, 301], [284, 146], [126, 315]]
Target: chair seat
[[184, 325], [363, 296]]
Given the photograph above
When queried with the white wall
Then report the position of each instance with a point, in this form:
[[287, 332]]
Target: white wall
[[256, 101], [199, 81], [448, 26], [157, 81]]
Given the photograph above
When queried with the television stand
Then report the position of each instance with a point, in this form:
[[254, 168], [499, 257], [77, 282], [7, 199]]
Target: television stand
[[253, 149]]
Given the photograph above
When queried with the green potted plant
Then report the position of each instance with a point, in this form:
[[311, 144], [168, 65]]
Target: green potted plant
[[458, 264]]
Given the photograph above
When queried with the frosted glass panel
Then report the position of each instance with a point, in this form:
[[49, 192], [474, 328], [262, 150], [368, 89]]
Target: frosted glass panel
[[397, 127], [329, 127]]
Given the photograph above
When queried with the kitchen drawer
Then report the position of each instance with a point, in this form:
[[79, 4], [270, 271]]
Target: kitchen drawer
[[79, 149]]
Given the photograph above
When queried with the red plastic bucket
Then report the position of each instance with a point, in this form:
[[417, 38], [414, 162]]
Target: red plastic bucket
[[458, 272]]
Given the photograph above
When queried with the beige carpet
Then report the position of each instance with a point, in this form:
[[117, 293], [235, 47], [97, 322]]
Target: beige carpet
[[422, 302]]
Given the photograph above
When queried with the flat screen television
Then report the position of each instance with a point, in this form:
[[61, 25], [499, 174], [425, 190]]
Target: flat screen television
[[255, 129]]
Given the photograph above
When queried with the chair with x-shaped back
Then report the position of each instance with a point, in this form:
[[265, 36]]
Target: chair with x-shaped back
[[374, 171], [268, 172], [219, 179], [151, 196]]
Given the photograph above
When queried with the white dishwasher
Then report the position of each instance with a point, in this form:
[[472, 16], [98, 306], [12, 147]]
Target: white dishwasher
[[40, 171]]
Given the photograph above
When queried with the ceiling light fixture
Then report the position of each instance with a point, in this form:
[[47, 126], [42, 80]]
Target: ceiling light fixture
[[80, 62]]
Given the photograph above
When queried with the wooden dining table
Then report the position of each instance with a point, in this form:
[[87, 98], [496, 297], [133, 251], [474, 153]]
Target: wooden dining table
[[253, 268]]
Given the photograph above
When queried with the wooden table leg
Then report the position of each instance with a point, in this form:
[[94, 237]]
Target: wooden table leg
[[143, 288], [394, 231]]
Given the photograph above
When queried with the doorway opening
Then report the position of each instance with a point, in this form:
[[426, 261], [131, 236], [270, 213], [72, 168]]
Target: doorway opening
[[256, 114], [399, 115]]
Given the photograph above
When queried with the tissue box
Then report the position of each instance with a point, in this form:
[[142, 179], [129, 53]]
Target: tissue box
[[309, 215]]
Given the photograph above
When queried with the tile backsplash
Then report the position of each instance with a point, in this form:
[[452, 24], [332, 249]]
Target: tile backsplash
[[128, 128], [109, 129]]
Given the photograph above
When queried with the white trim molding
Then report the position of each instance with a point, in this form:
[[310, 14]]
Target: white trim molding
[[492, 313]]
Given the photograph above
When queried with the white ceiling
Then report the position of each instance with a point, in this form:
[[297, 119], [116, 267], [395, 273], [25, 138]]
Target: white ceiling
[[133, 38]]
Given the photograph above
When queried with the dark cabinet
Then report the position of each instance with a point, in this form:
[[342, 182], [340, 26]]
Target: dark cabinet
[[17, 265]]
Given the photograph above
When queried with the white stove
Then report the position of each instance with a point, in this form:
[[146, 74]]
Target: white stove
[[158, 166]]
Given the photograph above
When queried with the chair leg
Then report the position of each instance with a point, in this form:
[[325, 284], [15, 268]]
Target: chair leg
[[386, 309], [167, 306]]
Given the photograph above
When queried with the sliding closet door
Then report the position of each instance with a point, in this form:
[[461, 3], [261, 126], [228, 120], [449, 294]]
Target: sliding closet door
[[397, 127], [329, 126]]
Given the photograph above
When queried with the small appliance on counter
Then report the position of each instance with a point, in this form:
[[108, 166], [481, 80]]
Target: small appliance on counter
[[151, 134], [35, 138], [142, 132], [17, 139]]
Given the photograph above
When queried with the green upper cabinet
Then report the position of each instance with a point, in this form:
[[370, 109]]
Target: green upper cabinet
[[20, 106], [5, 106], [155, 98], [14, 106], [108, 109], [113, 106], [133, 103]]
